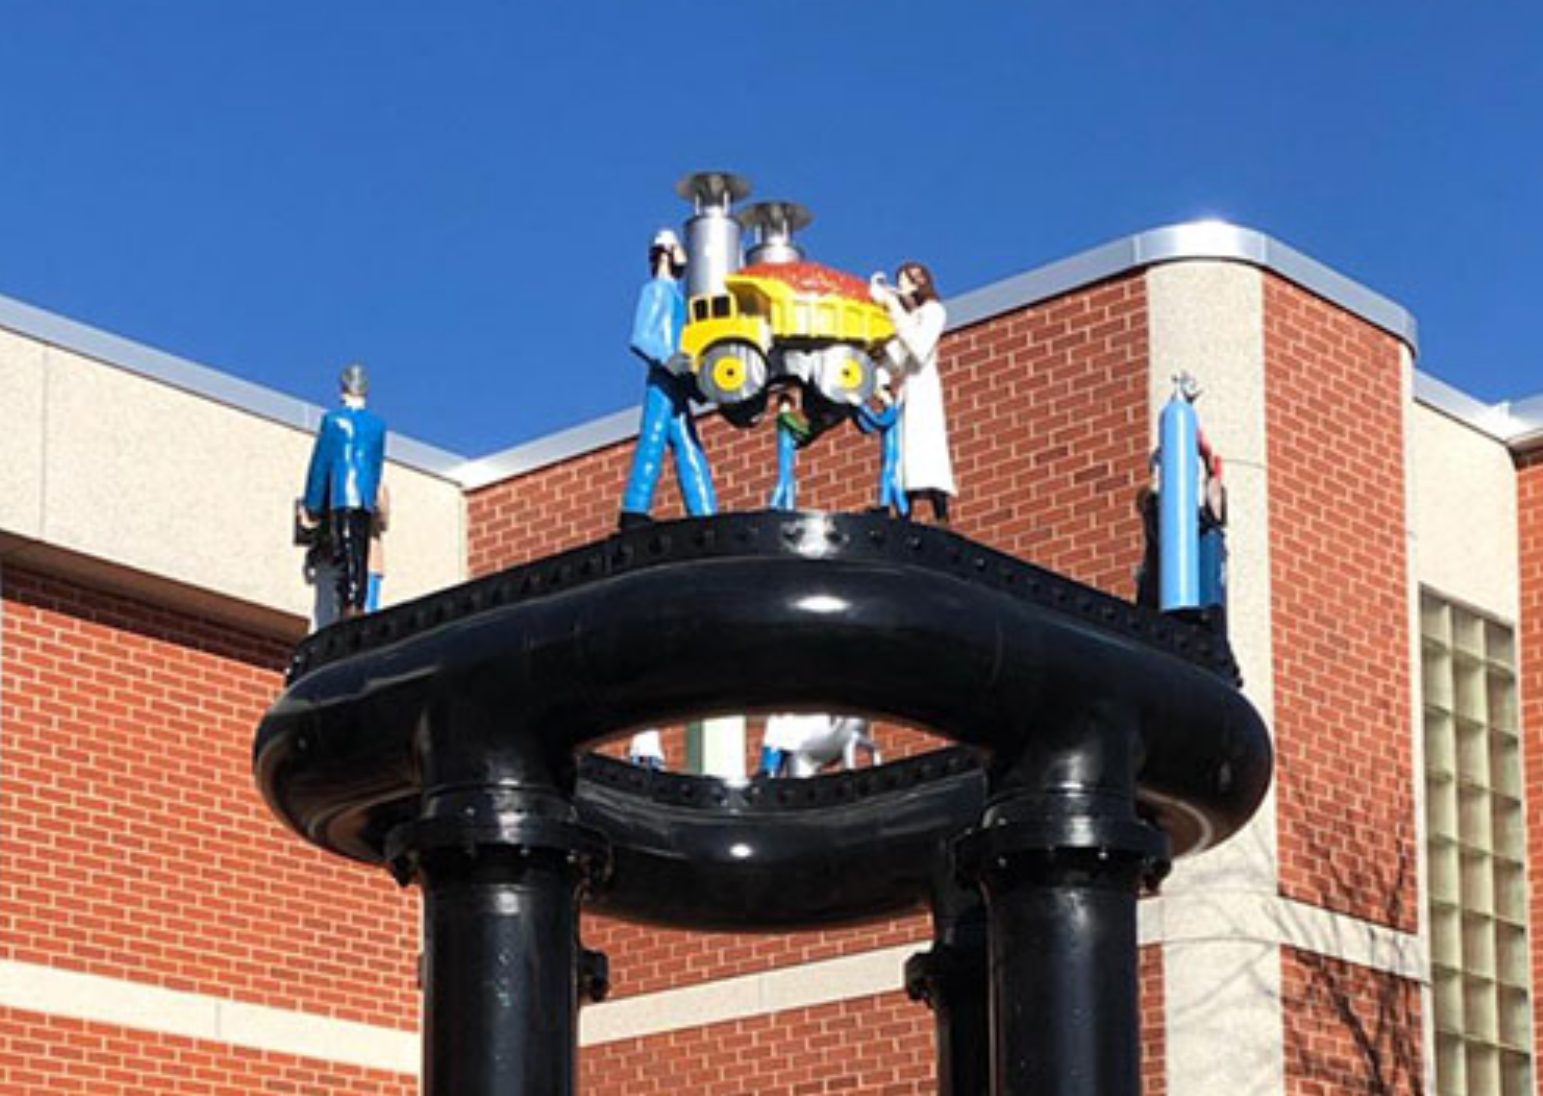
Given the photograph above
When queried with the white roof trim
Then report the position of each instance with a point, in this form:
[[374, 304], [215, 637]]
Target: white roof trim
[[1181, 243], [1518, 425], [200, 380]]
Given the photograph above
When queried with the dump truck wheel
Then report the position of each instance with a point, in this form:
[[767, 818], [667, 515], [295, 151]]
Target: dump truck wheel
[[731, 372], [846, 375]]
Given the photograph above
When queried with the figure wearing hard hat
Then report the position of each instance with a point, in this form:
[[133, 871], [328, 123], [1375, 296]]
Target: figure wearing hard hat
[[342, 487], [656, 328]]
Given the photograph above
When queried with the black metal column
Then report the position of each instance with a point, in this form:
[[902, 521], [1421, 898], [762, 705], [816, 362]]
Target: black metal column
[[501, 862], [500, 991], [952, 979], [1060, 859]]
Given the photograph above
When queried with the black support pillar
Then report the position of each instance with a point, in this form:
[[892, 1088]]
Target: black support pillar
[[1060, 859], [952, 979], [501, 862]]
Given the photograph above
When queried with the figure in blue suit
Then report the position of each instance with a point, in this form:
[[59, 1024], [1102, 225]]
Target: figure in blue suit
[[342, 486], [667, 421]]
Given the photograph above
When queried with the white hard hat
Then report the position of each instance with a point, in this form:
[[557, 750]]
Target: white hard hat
[[665, 238]]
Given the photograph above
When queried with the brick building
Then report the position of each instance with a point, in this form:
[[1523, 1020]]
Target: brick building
[[1372, 930]]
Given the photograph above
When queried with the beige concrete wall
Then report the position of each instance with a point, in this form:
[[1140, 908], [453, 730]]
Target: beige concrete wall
[[1207, 318], [1464, 513], [113, 467], [21, 435]]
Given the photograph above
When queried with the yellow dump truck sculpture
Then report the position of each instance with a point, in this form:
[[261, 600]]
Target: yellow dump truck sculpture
[[777, 323]]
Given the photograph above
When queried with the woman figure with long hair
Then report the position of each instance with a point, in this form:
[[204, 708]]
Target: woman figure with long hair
[[912, 302]]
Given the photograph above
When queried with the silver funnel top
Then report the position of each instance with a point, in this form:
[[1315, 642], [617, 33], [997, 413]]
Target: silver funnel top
[[713, 190], [774, 224]]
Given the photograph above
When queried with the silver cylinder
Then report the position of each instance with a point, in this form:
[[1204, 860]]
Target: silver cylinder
[[713, 248], [774, 224], [712, 252], [774, 251]]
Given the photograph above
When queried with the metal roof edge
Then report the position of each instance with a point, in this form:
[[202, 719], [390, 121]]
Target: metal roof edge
[[1489, 419], [1527, 424], [1518, 425], [200, 380], [1179, 243], [548, 449]]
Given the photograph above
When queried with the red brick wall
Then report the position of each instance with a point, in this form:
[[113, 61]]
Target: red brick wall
[[881, 1045], [1529, 507], [1154, 1027], [51, 1056], [1349, 1029], [133, 843], [868, 1046], [1339, 587]]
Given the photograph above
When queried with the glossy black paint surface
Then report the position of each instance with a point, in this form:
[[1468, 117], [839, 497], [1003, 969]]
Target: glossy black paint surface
[[778, 854], [501, 997], [1098, 739], [752, 613]]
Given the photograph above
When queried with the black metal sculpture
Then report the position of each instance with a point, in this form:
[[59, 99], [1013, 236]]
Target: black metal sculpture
[[440, 738]]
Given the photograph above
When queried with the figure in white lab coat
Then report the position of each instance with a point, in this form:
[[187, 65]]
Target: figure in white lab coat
[[801, 745], [912, 302], [647, 749]]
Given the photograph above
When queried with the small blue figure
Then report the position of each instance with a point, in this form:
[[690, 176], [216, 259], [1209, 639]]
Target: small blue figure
[[885, 421], [1185, 564], [342, 487], [667, 421], [793, 433]]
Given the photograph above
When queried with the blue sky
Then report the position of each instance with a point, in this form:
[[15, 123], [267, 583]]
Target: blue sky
[[460, 194]]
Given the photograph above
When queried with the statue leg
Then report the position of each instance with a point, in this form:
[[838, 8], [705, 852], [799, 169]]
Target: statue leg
[[785, 494], [649, 454], [691, 467]]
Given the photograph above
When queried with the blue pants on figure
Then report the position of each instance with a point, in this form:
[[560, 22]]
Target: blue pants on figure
[[785, 494], [891, 491], [667, 421], [774, 762]]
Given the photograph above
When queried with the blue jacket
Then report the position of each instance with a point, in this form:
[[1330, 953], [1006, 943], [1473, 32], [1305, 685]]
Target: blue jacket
[[346, 462], [658, 321]]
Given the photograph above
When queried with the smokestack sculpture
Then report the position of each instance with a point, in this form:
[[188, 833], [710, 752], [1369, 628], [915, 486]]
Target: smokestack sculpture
[[712, 232], [774, 224]]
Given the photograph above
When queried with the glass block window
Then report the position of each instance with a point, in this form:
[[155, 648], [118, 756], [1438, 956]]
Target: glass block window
[[1476, 843]]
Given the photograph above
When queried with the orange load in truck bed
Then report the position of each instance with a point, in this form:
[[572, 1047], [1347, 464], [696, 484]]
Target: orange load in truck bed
[[812, 278]]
